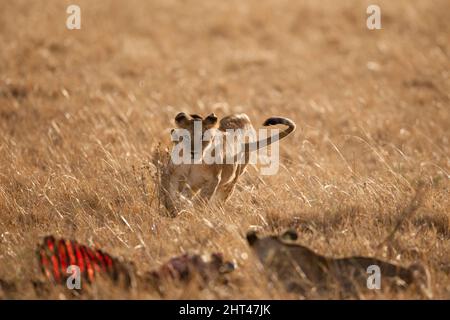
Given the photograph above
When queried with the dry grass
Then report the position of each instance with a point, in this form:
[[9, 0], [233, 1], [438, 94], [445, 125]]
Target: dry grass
[[81, 113]]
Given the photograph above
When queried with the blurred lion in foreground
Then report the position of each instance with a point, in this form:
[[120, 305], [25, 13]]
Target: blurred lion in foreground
[[303, 271]]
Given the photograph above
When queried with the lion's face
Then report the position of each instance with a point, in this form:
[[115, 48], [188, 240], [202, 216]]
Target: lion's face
[[197, 127], [266, 247]]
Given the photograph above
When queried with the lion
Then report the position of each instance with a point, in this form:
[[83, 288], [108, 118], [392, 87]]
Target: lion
[[303, 271], [214, 181]]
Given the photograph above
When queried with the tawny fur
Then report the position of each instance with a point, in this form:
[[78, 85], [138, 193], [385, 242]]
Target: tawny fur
[[207, 182], [302, 270]]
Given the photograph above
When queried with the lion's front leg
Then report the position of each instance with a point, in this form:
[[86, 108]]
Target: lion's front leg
[[177, 195], [170, 189], [209, 189], [224, 193]]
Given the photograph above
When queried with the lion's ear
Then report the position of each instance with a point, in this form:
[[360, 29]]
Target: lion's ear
[[210, 121], [182, 120], [290, 235], [252, 237]]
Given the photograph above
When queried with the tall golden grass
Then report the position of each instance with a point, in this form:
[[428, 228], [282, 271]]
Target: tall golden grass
[[82, 112]]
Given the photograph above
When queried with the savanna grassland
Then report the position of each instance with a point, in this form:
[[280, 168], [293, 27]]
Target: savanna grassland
[[82, 113]]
